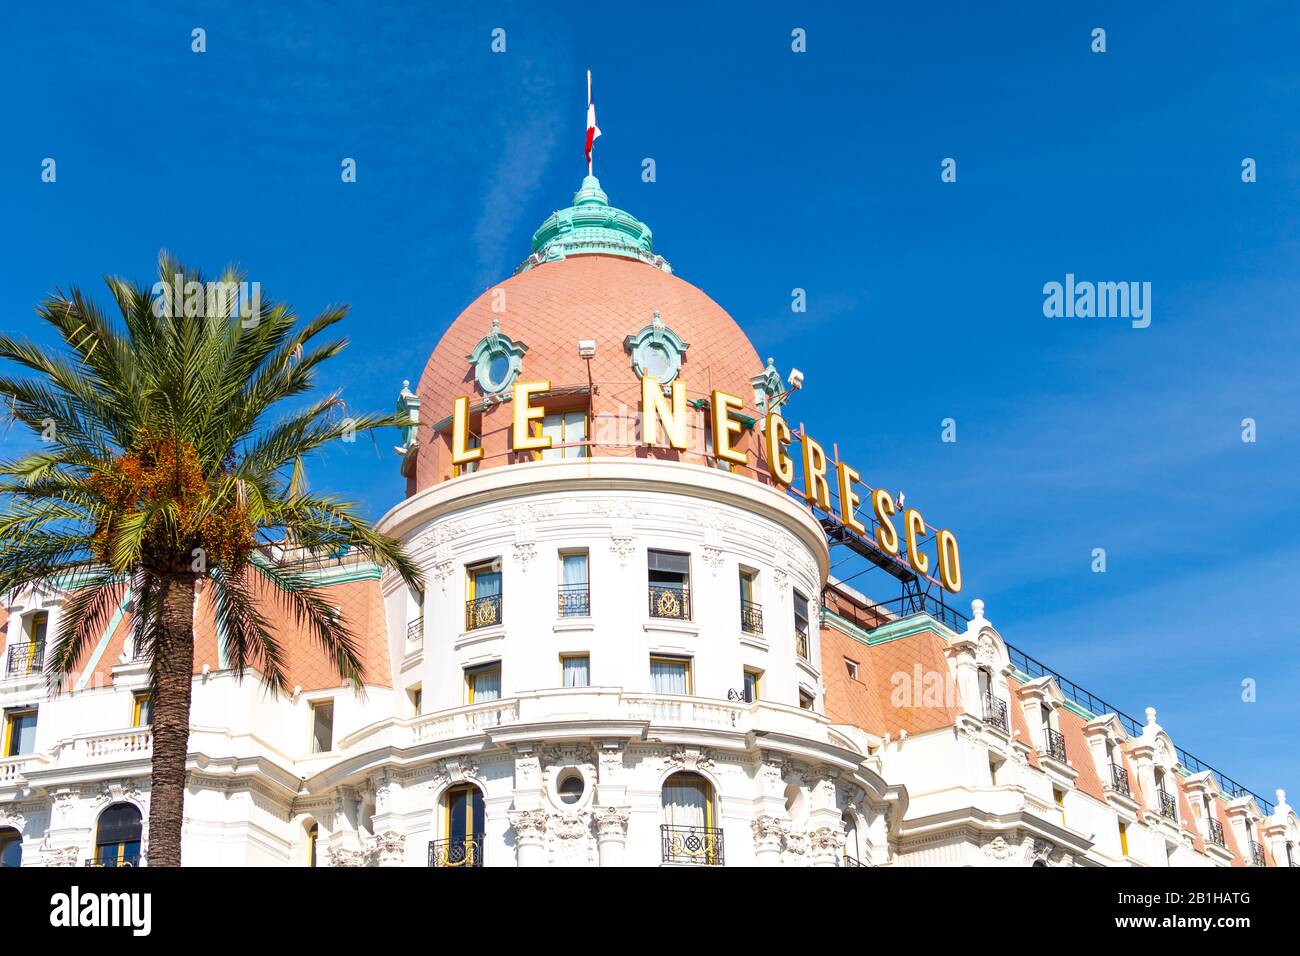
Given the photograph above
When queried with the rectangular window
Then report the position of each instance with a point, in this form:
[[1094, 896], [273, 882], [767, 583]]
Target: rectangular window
[[20, 732], [669, 581], [753, 680], [994, 766], [38, 626], [575, 670], [565, 428], [806, 700], [751, 612], [483, 683], [852, 667], [322, 727], [142, 710], [1059, 796], [801, 625], [483, 593], [714, 462], [471, 441], [670, 675], [417, 699], [1123, 838], [575, 588]]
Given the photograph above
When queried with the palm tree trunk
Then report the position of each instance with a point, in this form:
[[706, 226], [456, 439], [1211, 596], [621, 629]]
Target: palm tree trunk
[[174, 666]]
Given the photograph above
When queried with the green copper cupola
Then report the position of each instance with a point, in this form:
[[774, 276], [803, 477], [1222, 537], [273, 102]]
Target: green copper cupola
[[591, 226]]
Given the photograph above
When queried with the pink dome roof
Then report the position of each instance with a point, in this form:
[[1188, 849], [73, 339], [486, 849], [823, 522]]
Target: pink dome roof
[[551, 306]]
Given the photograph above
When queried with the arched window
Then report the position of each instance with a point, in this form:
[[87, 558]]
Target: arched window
[[313, 834], [688, 830], [463, 829], [11, 847], [117, 837], [851, 849]]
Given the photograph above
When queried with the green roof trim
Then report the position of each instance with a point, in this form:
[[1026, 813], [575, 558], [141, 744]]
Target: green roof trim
[[591, 226]]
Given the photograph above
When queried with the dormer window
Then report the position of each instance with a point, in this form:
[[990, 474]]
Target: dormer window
[[497, 360], [656, 351]]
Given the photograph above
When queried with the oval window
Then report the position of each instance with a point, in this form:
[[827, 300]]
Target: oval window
[[498, 369], [657, 362], [571, 788]]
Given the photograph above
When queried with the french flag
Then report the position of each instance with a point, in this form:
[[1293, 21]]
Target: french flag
[[593, 131]]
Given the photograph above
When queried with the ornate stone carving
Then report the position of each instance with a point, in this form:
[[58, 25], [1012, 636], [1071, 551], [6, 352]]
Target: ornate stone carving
[[525, 551], [611, 761], [341, 857], [442, 572], [568, 755], [827, 840], [58, 856], [713, 557], [389, 849], [611, 821], [985, 651], [781, 578], [528, 824], [622, 548], [528, 768], [769, 833], [689, 758], [570, 842], [998, 849], [10, 817]]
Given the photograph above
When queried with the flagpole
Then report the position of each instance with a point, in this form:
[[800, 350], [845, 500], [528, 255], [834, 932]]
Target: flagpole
[[589, 155]]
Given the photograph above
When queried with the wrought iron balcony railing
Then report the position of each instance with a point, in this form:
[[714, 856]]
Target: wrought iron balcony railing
[[415, 630], [801, 642], [670, 601], [691, 845], [995, 713], [129, 860], [574, 600], [1256, 854], [1168, 806], [1119, 779], [1216, 833], [751, 617], [457, 851], [25, 659], [1055, 745], [482, 612], [852, 861]]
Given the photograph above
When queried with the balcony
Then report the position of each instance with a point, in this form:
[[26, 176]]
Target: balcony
[[671, 601], [1256, 854], [1216, 833], [1119, 780], [1168, 807], [751, 617], [415, 631], [24, 659], [457, 851], [573, 600], [995, 713], [801, 642], [482, 612], [852, 861], [702, 845], [130, 860], [1055, 745]]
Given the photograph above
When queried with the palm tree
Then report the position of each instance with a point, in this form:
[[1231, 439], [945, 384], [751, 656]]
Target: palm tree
[[160, 467]]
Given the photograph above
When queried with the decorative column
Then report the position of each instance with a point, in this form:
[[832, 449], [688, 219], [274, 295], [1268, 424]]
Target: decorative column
[[827, 844], [611, 833], [389, 849], [769, 836], [530, 836]]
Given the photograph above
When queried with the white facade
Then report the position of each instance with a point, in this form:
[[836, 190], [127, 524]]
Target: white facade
[[783, 784]]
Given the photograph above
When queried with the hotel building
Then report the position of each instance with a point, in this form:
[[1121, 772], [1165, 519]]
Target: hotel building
[[625, 654]]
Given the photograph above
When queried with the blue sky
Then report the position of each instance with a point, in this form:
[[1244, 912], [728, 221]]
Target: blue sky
[[779, 170]]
